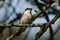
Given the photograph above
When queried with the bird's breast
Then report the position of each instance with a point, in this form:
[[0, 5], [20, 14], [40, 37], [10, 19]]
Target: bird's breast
[[26, 18]]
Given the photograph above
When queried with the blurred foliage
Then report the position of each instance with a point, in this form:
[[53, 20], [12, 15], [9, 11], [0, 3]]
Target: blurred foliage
[[8, 4], [1, 6]]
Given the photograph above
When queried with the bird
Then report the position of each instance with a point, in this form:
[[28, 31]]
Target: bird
[[26, 16], [25, 19]]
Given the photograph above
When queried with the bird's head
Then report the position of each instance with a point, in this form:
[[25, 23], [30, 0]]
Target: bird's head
[[28, 10]]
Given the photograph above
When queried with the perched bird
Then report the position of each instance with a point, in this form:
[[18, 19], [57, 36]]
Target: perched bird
[[25, 19], [26, 16]]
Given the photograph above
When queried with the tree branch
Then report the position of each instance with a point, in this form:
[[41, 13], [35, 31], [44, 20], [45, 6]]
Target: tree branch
[[40, 6], [38, 35], [22, 25]]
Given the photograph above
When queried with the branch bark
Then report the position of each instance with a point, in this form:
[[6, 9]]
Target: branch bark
[[22, 25]]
